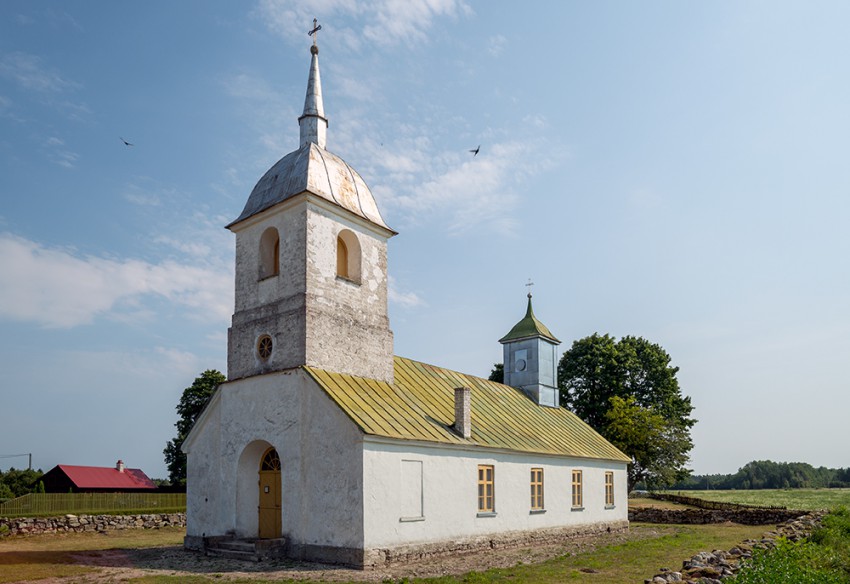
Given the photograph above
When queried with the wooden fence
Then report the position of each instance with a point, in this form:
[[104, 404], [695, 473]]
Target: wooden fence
[[45, 504]]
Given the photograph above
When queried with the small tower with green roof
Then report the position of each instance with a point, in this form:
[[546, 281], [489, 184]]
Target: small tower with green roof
[[530, 363]]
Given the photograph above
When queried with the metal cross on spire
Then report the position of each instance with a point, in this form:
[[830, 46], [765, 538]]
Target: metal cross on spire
[[529, 286], [314, 33]]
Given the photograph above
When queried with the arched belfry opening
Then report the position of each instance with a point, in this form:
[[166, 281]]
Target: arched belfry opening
[[269, 508], [269, 253], [348, 256]]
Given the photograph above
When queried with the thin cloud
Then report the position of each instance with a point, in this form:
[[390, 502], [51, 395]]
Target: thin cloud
[[29, 72], [145, 193], [57, 288], [471, 191], [496, 45], [385, 22], [406, 299], [269, 115], [59, 154], [408, 21]]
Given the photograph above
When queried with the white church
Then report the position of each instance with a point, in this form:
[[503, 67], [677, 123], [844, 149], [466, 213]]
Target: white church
[[323, 445]]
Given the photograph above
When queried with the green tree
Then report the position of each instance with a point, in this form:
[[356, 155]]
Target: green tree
[[658, 447], [21, 482], [498, 373], [5, 492], [192, 403], [598, 368]]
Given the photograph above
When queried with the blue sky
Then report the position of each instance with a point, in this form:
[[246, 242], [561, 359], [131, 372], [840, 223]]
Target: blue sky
[[664, 169]]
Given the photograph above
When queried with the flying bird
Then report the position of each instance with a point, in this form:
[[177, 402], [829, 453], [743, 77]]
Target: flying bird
[[475, 151], [125, 142]]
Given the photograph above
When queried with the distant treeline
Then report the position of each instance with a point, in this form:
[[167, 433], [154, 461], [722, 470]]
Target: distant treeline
[[766, 474]]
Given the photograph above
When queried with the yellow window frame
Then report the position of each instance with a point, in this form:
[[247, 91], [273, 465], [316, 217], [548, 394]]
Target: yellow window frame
[[486, 488], [536, 489], [577, 489]]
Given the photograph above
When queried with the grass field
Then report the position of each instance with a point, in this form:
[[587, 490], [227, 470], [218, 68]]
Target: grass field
[[808, 499]]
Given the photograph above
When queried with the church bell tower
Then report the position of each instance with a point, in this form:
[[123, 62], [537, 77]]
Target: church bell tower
[[311, 263], [530, 361]]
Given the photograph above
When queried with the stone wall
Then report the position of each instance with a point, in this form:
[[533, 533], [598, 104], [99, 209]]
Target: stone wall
[[80, 523], [716, 566], [704, 516]]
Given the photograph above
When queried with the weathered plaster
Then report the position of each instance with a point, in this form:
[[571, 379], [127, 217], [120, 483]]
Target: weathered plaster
[[320, 456], [313, 316]]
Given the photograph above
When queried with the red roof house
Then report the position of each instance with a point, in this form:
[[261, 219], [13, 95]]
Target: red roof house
[[96, 479]]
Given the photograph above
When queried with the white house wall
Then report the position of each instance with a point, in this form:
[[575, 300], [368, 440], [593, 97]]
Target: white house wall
[[321, 465], [450, 494]]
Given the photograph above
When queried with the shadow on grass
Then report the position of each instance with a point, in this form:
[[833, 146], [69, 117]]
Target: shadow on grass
[[170, 559], [19, 566]]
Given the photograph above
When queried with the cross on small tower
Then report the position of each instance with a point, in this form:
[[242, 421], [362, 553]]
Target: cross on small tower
[[314, 33], [529, 286]]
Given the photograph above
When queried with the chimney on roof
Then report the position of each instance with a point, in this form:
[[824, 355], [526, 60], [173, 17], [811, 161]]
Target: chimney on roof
[[119, 466], [463, 418]]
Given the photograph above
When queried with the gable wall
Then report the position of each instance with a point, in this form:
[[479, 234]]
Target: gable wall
[[450, 491], [321, 465]]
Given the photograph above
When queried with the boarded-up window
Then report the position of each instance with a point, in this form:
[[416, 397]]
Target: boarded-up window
[[411, 489]]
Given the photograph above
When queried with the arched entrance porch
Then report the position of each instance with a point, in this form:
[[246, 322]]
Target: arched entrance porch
[[258, 492]]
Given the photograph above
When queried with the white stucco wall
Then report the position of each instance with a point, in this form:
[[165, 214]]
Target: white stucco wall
[[321, 464], [450, 493]]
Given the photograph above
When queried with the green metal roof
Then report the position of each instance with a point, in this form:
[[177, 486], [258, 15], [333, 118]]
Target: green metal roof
[[419, 405], [529, 327]]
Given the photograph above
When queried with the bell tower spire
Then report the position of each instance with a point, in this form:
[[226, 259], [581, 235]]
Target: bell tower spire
[[313, 123], [530, 364], [311, 264]]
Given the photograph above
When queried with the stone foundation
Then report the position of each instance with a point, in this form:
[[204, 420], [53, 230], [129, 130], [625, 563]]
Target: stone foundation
[[81, 523], [382, 557]]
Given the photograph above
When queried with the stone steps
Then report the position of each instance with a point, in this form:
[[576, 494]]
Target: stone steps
[[250, 550]]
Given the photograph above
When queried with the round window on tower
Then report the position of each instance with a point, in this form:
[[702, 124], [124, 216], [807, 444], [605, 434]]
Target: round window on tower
[[264, 347]]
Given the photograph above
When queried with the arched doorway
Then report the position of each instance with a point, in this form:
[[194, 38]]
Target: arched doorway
[[269, 507]]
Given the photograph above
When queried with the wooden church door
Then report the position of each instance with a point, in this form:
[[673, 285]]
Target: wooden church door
[[269, 508]]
